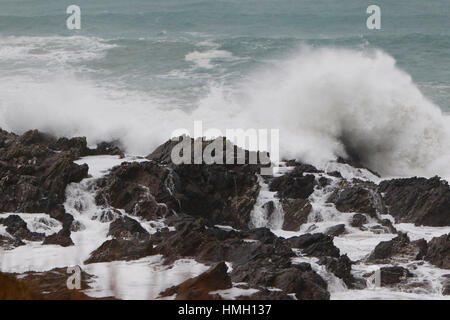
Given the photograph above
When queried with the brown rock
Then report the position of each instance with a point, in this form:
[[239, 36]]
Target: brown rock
[[296, 212], [418, 200], [438, 252]]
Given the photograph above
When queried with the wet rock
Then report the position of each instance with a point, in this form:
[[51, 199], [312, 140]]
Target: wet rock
[[336, 230], [388, 224], [199, 288], [143, 189], [296, 212], [264, 235], [193, 238], [317, 245], [400, 249], [258, 256], [293, 185], [358, 198], [269, 207], [18, 229], [418, 200], [301, 167], [303, 266], [107, 215], [438, 252], [62, 238], [323, 182], [121, 249], [358, 220], [394, 275], [219, 193], [446, 285], [335, 174], [108, 148], [77, 226], [78, 147], [126, 227], [341, 267], [305, 285], [33, 177]]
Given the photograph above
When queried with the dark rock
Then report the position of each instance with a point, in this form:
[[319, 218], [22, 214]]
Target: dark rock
[[61, 238], [399, 248], [107, 215], [336, 230], [143, 189], [301, 167], [33, 177], [335, 174], [306, 285], [446, 285], [264, 235], [388, 224], [257, 263], [18, 229], [341, 267], [269, 207], [78, 147], [76, 226], [108, 148], [121, 249], [126, 227], [358, 220], [438, 252], [323, 181], [219, 193], [394, 275], [293, 185], [199, 288], [317, 245], [303, 266], [296, 212], [418, 200], [356, 198]]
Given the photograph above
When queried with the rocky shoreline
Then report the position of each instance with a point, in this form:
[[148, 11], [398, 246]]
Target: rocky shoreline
[[207, 213]]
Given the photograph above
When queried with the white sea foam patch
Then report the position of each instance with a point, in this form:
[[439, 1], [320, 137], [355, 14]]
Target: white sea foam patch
[[205, 59], [325, 102], [52, 49]]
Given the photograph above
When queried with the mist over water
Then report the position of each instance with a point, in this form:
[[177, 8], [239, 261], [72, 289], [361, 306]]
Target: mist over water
[[330, 91]]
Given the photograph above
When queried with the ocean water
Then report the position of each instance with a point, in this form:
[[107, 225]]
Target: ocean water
[[139, 69]]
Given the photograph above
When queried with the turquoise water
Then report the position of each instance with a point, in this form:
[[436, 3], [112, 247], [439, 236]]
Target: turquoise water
[[151, 39]]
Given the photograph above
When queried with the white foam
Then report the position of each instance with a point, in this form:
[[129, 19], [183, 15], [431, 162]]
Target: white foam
[[259, 216], [141, 279], [205, 59]]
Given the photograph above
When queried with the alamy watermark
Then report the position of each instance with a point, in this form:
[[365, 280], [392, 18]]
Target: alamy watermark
[[374, 281], [234, 146], [374, 20], [73, 22], [74, 281]]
